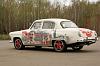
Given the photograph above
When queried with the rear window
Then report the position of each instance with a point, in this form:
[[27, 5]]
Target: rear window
[[68, 24]]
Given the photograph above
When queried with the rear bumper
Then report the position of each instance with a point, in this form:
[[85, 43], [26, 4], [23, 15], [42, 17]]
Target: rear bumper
[[83, 42], [87, 40], [91, 40]]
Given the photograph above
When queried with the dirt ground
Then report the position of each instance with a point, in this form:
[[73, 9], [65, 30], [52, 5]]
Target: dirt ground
[[88, 56]]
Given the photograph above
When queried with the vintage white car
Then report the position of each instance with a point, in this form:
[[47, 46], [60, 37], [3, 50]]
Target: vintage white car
[[57, 33]]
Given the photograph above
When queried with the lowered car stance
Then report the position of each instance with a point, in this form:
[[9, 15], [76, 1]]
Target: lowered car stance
[[57, 33]]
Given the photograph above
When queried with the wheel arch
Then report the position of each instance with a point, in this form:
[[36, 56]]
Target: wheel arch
[[16, 38]]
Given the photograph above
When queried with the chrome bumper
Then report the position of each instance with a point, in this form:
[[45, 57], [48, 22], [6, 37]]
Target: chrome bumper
[[88, 40], [91, 40], [10, 41]]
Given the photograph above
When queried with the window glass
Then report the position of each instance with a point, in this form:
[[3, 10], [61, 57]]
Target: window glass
[[48, 25], [36, 25], [68, 24]]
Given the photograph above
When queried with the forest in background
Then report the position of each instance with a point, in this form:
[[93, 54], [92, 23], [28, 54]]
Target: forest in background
[[19, 14]]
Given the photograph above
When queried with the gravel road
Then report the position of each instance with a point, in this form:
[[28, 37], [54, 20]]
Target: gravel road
[[88, 56]]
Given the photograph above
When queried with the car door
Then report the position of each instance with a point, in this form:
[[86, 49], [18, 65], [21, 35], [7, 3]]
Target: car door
[[42, 33], [47, 32], [35, 33]]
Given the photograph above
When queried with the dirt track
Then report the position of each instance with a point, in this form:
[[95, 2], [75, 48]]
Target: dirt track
[[88, 56]]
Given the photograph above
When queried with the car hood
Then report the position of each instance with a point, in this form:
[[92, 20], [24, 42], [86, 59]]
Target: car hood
[[18, 32]]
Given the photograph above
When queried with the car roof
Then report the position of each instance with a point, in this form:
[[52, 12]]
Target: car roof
[[53, 19]]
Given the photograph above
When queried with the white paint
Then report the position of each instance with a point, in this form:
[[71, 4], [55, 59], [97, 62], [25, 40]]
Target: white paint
[[69, 35]]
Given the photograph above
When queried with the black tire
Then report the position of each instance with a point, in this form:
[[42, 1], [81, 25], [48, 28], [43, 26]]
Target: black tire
[[77, 47], [18, 44], [38, 47], [59, 46]]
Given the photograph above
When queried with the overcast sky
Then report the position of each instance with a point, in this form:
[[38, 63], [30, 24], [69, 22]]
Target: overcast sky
[[68, 1]]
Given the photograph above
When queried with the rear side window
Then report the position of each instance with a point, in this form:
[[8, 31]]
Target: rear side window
[[48, 25]]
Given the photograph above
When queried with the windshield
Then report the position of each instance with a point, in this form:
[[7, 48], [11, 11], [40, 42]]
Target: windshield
[[68, 24]]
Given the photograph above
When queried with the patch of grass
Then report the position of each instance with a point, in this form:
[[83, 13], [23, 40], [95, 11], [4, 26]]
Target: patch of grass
[[4, 37]]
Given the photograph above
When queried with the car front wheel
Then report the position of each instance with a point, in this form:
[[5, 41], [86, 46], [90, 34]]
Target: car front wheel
[[18, 44]]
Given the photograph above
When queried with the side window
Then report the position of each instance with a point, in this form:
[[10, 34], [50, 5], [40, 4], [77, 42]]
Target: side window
[[36, 25], [48, 25]]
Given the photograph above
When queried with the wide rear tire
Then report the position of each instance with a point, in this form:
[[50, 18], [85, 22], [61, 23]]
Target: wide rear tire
[[77, 47], [60, 46]]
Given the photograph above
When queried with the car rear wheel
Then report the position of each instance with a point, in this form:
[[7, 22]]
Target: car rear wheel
[[77, 47], [59, 46], [18, 44]]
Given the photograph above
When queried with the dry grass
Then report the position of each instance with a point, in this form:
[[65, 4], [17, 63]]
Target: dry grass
[[4, 37]]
